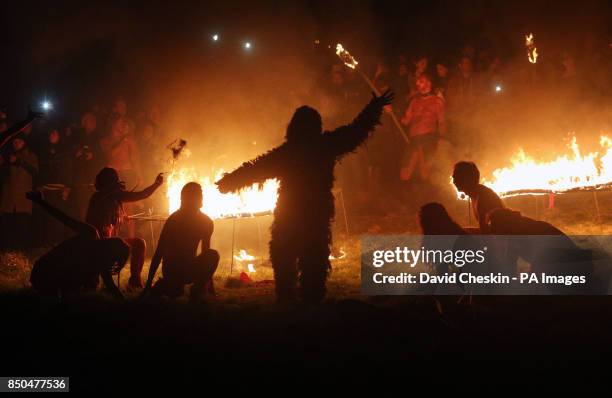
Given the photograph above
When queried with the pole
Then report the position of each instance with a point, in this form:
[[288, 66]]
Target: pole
[[233, 240], [393, 117]]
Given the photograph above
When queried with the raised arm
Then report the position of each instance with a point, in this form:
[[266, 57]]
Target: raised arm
[[254, 171], [75, 225], [347, 138], [8, 134], [129, 196]]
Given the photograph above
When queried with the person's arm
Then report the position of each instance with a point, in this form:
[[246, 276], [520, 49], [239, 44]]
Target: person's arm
[[75, 225], [155, 261], [129, 196], [15, 129], [109, 284], [254, 171], [347, 138], [407, 119]]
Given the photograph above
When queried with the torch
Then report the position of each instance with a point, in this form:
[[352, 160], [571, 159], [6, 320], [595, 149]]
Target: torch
[[352, 63], [532, 55]]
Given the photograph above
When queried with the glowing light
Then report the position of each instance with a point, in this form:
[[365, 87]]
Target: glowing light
[[244, 257], [346, 57], [498, 88], [532, 51], [247, 45], [215, 37], [571, 171], [259, 198], [46, 105]]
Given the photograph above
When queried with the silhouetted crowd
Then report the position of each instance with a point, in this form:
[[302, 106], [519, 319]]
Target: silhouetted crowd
[[62, 161]]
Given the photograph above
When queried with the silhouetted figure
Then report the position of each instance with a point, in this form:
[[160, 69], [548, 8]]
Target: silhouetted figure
[[178, 243], [77, 261], [19, 167], [105, 212], [466, 178], [304, 164], [435, 220], [553, 253]]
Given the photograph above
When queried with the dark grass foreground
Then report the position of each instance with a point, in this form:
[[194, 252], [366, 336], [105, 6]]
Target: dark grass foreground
[[105, 345]]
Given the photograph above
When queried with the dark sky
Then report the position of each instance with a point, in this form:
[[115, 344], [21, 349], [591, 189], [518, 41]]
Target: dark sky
[[81, 51]]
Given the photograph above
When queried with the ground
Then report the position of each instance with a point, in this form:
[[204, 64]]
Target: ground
[[243, 336]]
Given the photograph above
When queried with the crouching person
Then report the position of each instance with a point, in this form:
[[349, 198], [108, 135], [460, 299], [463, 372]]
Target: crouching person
[[73, 264], [177, 248]]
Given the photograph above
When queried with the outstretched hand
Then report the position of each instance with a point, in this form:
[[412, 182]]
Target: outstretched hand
[[34, 196], [384, 99], [159, 179]]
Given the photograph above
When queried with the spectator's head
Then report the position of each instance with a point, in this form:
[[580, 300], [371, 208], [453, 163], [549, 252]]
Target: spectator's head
[[304, 125], [120, 127], [435, 220], [465, 66], [420, 65], [19, 144], [89, 122], [505, 222], [441, 70], [120, 107], [54, 137], [466, 177], [110, 254], [191, 196], [107, 180], [423, 84]]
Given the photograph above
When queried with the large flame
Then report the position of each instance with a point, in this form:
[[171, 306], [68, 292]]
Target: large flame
[[571, 171], [256, 199]]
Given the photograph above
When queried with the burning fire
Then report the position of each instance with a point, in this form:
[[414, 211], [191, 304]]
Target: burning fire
[[572, 171], [257, 199], [346, 57], [244, 257], [532, 51]]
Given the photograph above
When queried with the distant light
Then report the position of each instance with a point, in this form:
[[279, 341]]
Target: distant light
[[46, 105], [498, 88], [247, 45], [215, 37]]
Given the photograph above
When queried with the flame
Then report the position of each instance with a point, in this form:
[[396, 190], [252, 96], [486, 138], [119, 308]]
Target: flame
[[571, 171], [346, 57], [243, 256], [341, 255], [259, 198], [532, 51]]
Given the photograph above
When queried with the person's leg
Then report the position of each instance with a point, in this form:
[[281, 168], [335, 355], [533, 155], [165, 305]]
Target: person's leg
[[205, 266], [314, 268], [138, 249], [284, 257]]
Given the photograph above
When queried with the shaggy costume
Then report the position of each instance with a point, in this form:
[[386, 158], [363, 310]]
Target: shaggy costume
[[304, 165]]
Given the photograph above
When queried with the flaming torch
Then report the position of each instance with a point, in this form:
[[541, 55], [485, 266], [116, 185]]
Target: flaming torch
[[532, 51], [352, 63]]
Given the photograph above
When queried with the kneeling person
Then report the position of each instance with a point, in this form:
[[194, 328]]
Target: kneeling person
[[177, 247], [74, 263]]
